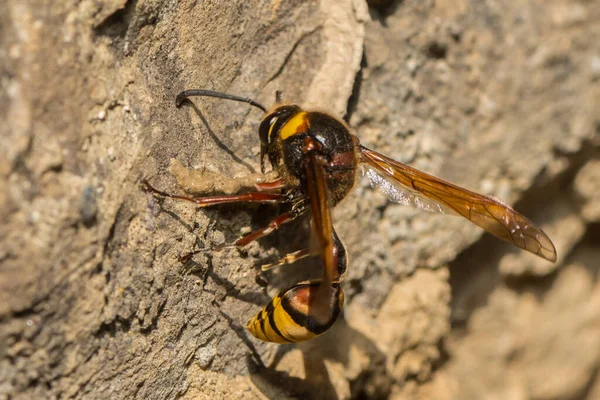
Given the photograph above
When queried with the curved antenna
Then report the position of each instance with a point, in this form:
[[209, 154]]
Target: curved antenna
[[278, 94], [183, 96]]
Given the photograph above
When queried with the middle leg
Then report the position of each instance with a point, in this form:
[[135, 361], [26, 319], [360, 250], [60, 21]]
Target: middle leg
[[274, 225]]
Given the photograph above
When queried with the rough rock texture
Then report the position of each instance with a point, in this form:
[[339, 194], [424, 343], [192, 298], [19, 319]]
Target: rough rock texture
[[499, 97]]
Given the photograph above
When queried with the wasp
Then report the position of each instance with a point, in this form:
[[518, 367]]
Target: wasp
[[317, 161]]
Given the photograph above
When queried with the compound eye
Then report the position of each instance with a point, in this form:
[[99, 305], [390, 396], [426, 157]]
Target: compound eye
[[266, 129]]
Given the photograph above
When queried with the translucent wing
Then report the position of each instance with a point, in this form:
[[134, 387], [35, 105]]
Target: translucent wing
[[407, 185], [397, 193]]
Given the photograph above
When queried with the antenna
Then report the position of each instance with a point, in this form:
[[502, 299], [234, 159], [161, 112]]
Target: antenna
[[183, 96]]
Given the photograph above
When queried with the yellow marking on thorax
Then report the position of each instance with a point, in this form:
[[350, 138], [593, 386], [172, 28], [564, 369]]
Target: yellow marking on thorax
[[298, 124]]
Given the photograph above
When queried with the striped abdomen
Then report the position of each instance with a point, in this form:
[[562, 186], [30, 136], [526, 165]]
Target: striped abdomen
[[297, 314]]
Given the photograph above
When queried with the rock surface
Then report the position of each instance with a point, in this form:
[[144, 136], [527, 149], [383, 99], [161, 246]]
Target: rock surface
[[502, 98]]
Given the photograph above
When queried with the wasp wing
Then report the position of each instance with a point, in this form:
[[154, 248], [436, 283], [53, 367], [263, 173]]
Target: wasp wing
[[329, 246], [322, 225], [406, 185]]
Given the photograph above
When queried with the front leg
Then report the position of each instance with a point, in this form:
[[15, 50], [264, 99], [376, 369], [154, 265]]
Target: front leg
[[251, 197]]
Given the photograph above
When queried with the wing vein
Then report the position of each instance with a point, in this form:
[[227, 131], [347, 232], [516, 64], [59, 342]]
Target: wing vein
[[407, 185]]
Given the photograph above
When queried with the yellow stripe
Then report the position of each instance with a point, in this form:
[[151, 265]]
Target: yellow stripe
[[266, 332], [292, 331], [270, 334], [273, 122], [298, 124]]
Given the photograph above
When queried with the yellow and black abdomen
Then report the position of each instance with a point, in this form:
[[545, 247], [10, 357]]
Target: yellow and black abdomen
[[295, 316], [304, 311]]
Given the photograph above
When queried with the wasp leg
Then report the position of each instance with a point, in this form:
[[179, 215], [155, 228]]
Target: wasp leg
[[289, 259], [252, 236], [267, 230], [252, 197]]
